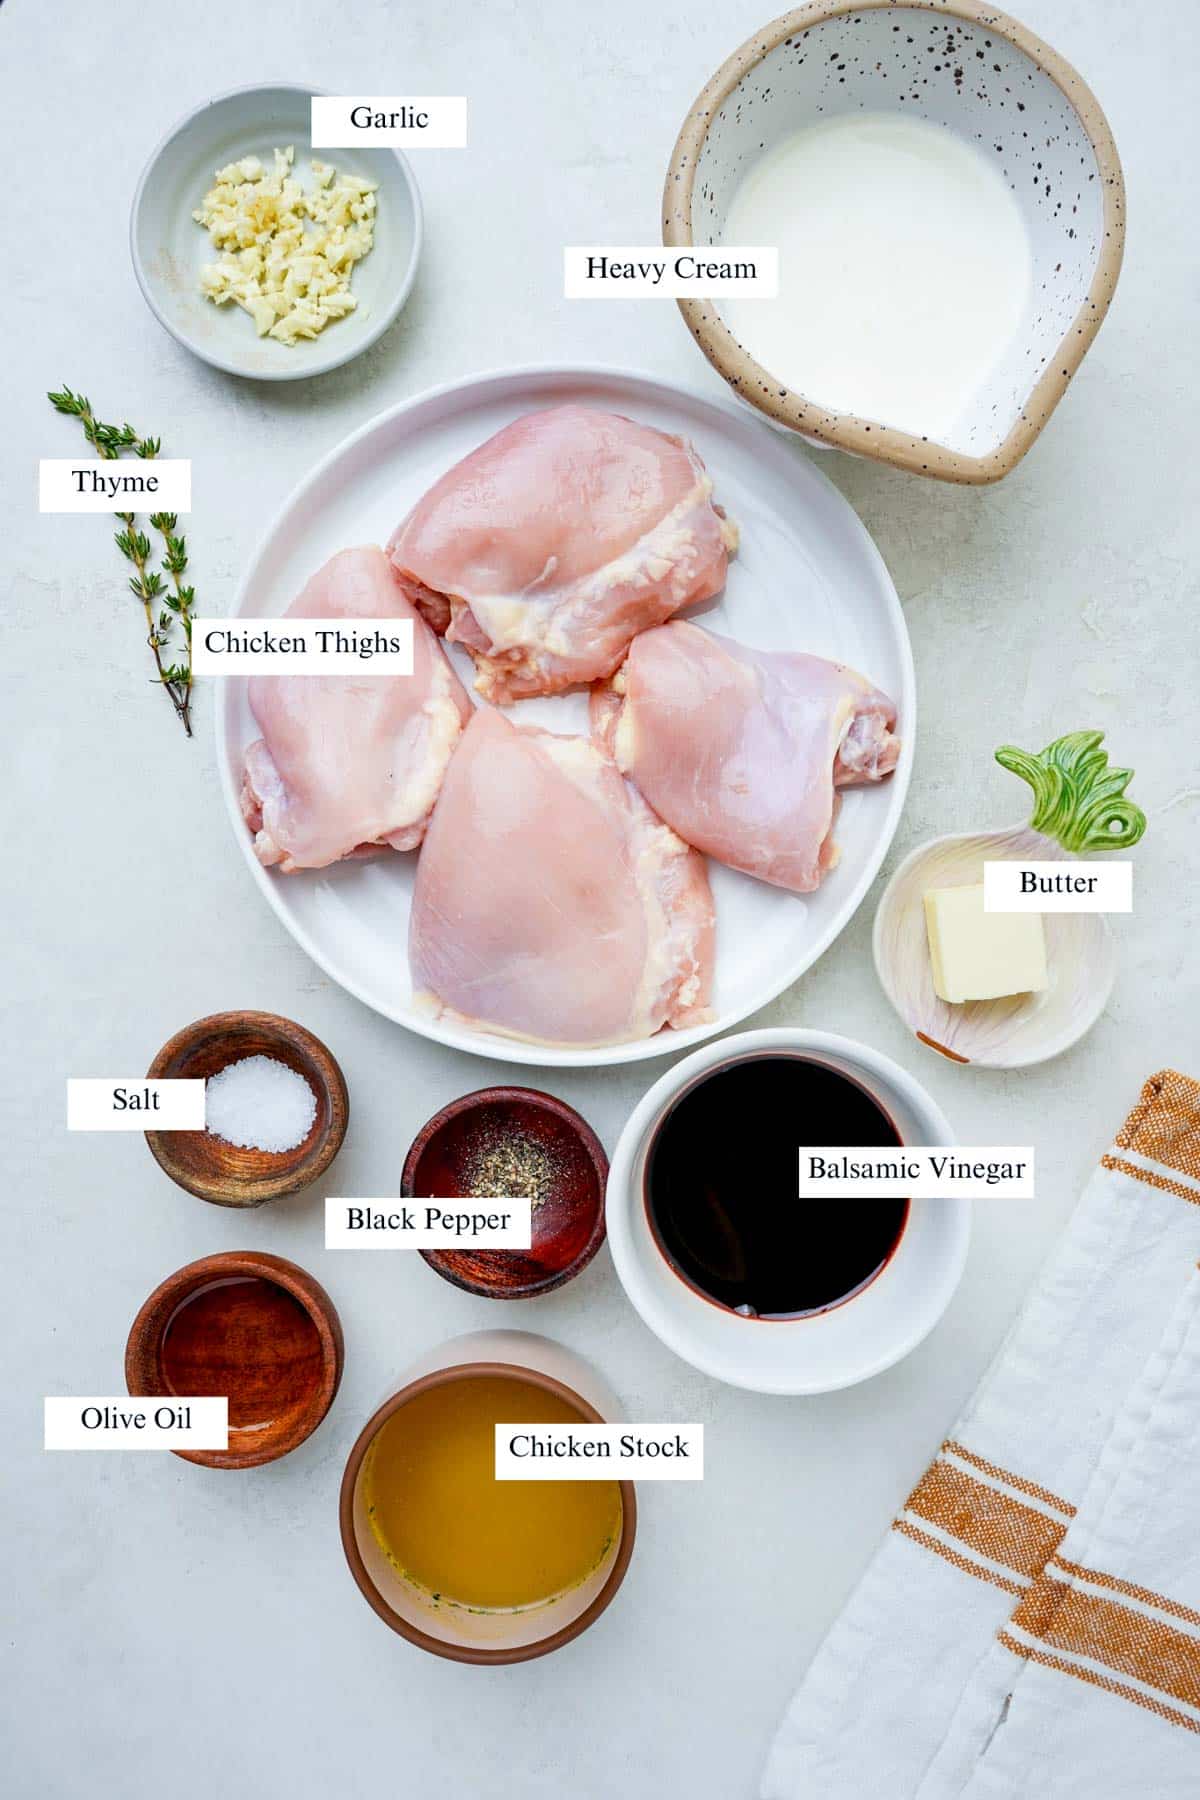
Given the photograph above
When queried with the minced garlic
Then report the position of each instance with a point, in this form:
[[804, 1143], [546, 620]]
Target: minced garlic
[[287, 252]]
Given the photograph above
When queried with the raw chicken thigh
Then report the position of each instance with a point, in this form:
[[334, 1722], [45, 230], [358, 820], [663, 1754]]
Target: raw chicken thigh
[[550, 903], [348, 764], [741, 751], [551, 546]]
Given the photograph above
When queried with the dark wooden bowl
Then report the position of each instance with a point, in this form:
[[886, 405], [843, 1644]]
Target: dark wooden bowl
[[286, 1390], [568, 1226], [225, 1173]]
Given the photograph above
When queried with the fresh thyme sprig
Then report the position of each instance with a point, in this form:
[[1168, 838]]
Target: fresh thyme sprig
[[163, 606], [179, 602]]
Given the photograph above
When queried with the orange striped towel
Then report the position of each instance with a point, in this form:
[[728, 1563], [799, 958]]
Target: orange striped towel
[[1030, 1629]]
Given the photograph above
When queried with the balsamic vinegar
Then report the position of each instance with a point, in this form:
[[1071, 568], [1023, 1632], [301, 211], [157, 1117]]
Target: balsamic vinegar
[[721, 1189]]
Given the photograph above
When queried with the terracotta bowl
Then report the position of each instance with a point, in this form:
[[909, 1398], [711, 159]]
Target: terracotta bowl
[[456, 1632], [224, 1173], [568, 1225], [962, 65], [289, 1387]]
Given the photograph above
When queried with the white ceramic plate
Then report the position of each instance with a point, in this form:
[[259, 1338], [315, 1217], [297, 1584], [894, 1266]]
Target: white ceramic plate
[[807, 577], [169, 248]]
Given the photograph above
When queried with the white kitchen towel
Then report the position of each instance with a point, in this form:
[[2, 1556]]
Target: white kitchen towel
[[913, 1689], [1103, 1680]]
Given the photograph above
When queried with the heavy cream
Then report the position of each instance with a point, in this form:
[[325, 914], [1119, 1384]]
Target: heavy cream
[[905, 268]]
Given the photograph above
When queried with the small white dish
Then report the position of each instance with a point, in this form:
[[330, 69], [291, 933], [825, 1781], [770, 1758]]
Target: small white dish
[[1022, 1029], [851, 1342], [169, 249]]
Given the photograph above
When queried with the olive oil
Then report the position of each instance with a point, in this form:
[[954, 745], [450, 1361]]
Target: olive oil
[[248, 1338]]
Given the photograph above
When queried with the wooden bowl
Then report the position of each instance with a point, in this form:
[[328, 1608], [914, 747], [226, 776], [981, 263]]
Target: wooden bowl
[[283, 1392], [568, 1224], [225, 1173]]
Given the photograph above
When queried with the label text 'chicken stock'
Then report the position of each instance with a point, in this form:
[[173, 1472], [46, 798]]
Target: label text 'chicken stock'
[[599, 1452]]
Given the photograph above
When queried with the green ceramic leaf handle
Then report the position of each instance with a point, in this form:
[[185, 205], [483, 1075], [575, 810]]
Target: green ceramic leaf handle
[[1078, 799]]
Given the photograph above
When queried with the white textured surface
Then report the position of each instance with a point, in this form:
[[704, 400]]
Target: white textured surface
[[173, 1630]]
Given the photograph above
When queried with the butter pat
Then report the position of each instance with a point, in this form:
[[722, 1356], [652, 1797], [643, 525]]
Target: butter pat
[[978, 955]]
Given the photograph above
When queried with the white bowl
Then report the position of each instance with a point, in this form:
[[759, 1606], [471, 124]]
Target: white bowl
[[834, 1349], [169, 248], [959, 64]]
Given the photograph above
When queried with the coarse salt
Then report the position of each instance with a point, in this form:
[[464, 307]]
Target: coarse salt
[[259, 1103]]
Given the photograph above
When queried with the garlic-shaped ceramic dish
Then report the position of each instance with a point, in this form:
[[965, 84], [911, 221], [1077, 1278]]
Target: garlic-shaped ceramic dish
[[1079, 809]]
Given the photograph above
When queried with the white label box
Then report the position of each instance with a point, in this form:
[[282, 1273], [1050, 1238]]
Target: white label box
[[290, 646], [599, 1453], [406, 121], [135, 1422], [435, 1224], [666, 272], [123, 484], [131, 1103], [917, 1172], [1058, 887]]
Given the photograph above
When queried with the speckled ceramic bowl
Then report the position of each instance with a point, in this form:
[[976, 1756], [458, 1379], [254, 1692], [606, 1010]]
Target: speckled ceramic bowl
[[961, 65]]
